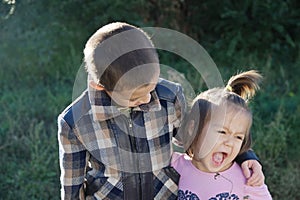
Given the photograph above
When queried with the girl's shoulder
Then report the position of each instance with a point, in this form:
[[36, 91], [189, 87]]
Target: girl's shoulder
[[179, 159]]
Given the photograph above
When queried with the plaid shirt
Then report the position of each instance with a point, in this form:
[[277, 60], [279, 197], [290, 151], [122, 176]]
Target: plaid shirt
[[110, 153]]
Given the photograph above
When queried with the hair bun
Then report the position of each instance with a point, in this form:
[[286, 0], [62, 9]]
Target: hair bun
[[244, 84]]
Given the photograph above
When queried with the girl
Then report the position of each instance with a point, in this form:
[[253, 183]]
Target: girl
[[217, 130]]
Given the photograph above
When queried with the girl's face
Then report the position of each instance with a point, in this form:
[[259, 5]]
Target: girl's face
[[228, 128]]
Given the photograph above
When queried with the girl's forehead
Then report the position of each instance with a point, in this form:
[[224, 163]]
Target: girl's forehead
[[231, 117], [229, 108]]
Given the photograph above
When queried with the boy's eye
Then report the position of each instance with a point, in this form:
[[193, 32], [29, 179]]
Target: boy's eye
[[134, 99]]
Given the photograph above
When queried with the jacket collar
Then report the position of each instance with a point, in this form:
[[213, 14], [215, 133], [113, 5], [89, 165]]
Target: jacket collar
[[104, 108]]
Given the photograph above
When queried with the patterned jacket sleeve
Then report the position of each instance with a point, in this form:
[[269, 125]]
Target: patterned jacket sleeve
[[73, 162], [180, 107], [248, 155]]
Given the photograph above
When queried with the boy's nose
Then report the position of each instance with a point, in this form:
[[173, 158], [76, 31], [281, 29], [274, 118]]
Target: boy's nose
[[145, 99]]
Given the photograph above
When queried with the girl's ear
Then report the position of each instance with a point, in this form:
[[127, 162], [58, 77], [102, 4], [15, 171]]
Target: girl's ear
[[191, 134], [191, 126]]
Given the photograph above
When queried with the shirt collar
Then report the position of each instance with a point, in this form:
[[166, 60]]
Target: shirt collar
[[103, 107]]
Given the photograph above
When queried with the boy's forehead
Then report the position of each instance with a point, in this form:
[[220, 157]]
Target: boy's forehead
[[133, 80]]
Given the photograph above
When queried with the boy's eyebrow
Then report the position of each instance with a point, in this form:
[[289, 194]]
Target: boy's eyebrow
[[146, 85]]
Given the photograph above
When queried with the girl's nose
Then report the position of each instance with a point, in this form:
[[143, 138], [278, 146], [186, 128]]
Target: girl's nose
[[228, 141]]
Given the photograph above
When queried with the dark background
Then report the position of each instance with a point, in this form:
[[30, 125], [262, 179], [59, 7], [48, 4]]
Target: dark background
[[41, 44]]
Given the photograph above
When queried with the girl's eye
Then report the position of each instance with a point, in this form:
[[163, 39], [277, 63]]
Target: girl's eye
[[222, 132], [240, 137]]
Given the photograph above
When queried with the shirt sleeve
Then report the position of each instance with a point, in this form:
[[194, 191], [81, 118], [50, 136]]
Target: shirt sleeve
[[175, 159], [248, 155], [73, 162], [258, 193]]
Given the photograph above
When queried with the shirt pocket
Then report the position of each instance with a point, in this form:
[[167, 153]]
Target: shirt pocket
[[92, 184], [104, 188]]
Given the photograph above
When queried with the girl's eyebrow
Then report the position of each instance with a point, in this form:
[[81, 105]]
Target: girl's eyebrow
[[227, 129], [219, 126]]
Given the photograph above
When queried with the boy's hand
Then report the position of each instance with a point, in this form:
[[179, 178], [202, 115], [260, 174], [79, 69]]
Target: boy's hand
[[253, 172]]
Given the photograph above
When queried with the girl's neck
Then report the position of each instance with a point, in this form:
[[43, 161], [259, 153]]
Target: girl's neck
[[200, 165]]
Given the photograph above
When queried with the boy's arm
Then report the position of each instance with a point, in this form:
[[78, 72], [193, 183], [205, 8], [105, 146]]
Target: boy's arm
[[248, 155], [180, 107], [72, 159], [252, 168]]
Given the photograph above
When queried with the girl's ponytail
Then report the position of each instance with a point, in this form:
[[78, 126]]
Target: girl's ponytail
[[244, 84]]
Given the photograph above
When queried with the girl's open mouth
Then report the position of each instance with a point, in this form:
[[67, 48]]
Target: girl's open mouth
[[218, 158]]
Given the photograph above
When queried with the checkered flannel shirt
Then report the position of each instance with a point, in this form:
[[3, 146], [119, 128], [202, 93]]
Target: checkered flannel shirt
[[106, 153]]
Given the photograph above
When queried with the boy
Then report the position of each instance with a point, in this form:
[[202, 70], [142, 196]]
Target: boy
[[115, 139]]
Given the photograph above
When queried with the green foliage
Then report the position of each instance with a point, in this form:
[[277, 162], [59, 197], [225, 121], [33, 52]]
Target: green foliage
[[41, 45], [272, 144], [30, 165]]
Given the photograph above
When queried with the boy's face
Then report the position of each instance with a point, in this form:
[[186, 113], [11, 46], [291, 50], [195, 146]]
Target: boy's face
[[126, 96], [134, 97]]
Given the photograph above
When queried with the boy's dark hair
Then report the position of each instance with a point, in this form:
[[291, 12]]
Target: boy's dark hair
[[239, 90], [116, 49]]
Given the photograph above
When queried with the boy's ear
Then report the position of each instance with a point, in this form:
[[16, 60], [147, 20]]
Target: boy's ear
[[96, 86]]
